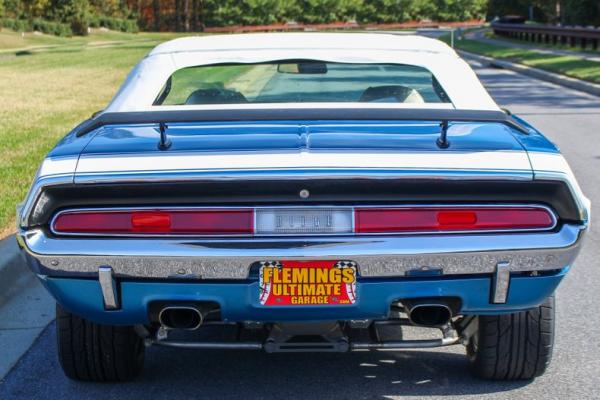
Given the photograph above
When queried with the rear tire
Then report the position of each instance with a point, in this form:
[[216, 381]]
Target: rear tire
[[513, 346], [97, 353]]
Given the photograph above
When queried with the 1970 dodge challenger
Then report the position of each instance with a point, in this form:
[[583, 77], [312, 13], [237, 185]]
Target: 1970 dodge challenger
[[313, 192]]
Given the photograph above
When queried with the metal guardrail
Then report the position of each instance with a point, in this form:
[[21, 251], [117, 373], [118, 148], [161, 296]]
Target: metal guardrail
[[565, 35]]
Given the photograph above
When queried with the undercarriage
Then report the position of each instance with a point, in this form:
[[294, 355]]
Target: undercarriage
[[195, 326]]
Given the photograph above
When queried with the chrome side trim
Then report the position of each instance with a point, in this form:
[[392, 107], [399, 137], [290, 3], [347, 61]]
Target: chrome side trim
[[308, 207], [377, 256], [301, 174], [109, 288]]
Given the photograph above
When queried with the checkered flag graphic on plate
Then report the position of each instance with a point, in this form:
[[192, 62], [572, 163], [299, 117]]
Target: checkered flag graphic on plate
[[266, 289], [350, 287]]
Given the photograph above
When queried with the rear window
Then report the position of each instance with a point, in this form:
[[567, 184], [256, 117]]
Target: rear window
[[301, 82]]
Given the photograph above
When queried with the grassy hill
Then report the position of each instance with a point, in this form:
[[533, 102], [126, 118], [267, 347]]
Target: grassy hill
[[48, 85]]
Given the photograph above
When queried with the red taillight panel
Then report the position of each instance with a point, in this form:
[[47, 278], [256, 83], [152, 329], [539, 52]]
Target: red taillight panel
[[436, 219], [186, 222], [367, 220]]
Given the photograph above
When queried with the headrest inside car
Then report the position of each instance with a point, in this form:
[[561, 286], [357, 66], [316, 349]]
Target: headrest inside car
[[215, 96], [391, 94]]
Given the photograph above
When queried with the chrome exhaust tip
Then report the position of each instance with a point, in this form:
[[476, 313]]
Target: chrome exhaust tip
[[427, 313], [181, 317]]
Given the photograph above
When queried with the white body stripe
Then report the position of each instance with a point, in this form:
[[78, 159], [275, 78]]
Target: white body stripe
[[460, 161]]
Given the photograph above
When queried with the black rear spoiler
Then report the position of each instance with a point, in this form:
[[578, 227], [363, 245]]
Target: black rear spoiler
[[289, 114]]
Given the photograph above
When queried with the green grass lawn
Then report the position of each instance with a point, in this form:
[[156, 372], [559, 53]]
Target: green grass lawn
[[542, 45], [53, 84], [565, 65]]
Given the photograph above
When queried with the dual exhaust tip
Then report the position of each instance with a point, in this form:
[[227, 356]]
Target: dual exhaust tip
[[421, 312], [181, 317], [428, 312]]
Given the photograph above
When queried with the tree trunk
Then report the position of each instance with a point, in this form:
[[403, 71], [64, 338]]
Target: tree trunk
[[156, 10], [197, 20], [186, 15], [178, 15], [194, 15]]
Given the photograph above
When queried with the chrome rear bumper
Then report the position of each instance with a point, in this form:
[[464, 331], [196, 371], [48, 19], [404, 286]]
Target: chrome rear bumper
[[377, 256]]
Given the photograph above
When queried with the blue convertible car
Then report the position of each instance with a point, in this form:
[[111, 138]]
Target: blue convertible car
[[309, 191]]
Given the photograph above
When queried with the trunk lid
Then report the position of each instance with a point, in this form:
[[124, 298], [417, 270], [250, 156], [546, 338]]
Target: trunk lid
[[307, 146]]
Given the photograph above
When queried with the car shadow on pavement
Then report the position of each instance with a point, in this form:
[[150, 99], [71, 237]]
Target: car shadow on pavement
[[180, 373]]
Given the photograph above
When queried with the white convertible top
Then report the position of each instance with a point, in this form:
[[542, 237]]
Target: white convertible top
[[149, 76], [314, 41]]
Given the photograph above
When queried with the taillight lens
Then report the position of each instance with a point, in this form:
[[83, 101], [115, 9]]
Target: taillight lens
[[302, 220], [439, 219], [187, 222]]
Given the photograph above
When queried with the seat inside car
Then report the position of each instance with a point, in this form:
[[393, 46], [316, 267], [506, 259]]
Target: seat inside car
[[215, 96], [391, 94]]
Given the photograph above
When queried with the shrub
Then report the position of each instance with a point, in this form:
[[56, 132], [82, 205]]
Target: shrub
[[39, 25], [94, 21], [79, 26], [23, 26], [131, 26], [8, 23], [117, 24], [19, 25], [63, 30]]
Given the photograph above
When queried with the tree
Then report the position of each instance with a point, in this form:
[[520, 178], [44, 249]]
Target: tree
[[580, 12], [543, 10], [156, 11], [186, 15], [73, 12], [178, 16], [35, 8], [13, 8], [197, 16], [453, 10]]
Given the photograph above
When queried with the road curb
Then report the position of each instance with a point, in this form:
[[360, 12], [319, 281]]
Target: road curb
[[13, 270], [572, 83]]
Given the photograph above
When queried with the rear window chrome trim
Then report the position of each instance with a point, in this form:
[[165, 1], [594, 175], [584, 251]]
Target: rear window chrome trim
[[550, 211]]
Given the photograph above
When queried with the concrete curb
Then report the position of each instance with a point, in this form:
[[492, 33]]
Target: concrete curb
[[572, 83], [26, 308], [14, 273]]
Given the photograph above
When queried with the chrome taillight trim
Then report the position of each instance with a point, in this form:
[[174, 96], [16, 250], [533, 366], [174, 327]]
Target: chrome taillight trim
[[332, 206]]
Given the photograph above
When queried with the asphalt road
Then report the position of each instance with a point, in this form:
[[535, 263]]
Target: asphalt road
[[569, 118]]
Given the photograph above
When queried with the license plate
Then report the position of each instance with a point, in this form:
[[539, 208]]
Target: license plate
[[307, 283], [294, 221]]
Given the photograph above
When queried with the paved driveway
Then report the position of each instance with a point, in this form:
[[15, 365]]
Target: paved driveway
[[572, 120]]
